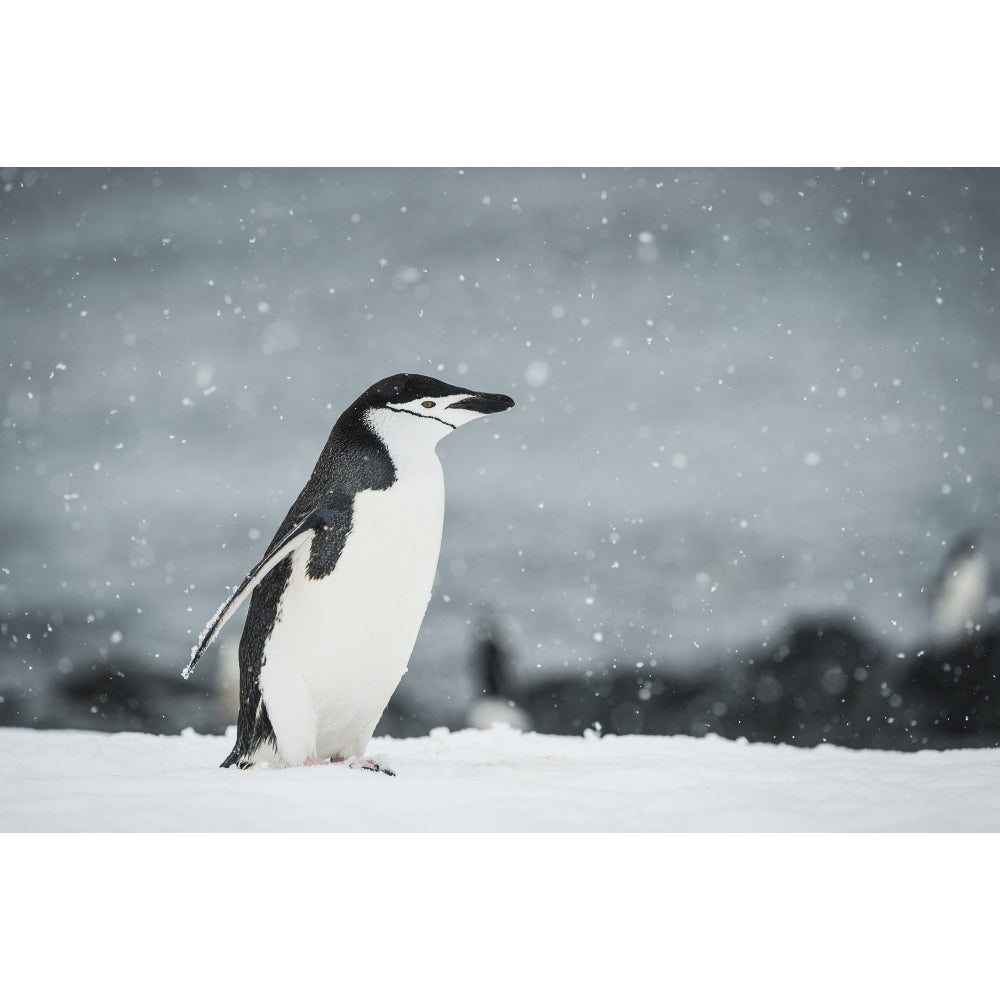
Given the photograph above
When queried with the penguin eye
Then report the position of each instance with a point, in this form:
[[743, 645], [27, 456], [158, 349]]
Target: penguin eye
[[427, 403]]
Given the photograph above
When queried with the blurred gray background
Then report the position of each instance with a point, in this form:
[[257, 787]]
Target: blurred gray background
[[742, 394]]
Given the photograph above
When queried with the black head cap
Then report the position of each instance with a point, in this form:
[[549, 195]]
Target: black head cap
[[404, 388]]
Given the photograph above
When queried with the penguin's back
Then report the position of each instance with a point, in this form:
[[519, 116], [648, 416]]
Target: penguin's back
[[341, 639]]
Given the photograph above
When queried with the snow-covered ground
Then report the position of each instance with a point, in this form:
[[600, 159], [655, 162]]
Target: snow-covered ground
[[494, 781]]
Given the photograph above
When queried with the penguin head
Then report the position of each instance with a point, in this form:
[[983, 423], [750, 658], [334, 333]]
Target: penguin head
[[425, 406]]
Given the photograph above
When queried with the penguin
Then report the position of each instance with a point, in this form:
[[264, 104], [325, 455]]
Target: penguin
[[338, 597], [960, 590], [496, 704]]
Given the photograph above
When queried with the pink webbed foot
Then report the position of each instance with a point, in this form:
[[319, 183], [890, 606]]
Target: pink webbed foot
[[358, 763], [364, 764], [316, 761]]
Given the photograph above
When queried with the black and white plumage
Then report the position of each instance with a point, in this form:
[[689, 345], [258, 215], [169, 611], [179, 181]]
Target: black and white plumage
[[961, 589], [337, 599]]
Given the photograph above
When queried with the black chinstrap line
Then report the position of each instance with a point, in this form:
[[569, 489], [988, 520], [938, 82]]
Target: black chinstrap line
[[426, 416]]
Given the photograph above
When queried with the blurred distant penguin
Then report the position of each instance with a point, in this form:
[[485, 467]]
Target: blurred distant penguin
[[339, 595], [960, 589], [494, 706]]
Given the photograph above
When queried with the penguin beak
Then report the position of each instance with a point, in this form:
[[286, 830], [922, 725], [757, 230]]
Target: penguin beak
[[483, 402]]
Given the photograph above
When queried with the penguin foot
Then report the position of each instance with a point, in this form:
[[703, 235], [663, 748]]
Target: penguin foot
[[359, 763], [364, 764]]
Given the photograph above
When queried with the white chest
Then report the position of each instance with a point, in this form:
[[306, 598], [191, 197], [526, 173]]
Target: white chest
[[340, 644]]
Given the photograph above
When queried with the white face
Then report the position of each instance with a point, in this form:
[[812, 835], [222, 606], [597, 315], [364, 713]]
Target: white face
[[435, 408], [412, 430]]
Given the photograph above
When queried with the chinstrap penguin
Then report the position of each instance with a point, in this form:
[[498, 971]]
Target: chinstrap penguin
[[960, 590], [337, 599]]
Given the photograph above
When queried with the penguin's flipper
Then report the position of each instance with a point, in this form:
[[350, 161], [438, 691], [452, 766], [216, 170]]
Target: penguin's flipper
[[242, 592], [325, 527], [278, 550]]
